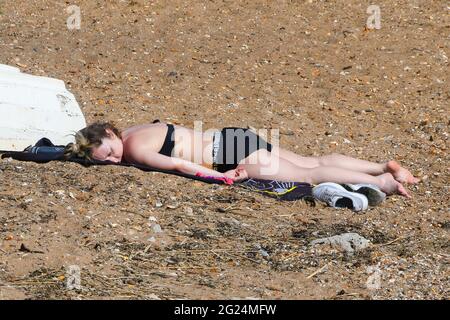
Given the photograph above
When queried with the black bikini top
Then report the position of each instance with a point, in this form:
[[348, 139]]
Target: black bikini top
[[169, 142]]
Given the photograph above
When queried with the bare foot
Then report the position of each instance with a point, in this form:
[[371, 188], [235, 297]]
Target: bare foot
[[390, 185], [400, 174]]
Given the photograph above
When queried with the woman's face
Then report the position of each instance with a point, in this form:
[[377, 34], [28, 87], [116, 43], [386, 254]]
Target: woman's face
[[111, 148]]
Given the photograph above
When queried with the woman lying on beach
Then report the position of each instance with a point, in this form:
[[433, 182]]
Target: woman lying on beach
[[233, 153]]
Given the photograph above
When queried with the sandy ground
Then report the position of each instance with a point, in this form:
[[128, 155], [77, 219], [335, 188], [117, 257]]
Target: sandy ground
[[308, 68]]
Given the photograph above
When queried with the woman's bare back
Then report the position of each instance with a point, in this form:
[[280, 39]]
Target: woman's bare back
[[189, 145]]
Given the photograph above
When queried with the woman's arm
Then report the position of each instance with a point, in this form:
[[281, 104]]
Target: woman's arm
[[163, 162], [193, 168]]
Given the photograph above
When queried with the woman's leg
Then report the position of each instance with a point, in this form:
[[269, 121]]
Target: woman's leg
[[337, 160], [265, 165], [334, 160]]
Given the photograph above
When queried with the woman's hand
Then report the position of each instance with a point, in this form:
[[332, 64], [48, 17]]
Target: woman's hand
[[237, 174]]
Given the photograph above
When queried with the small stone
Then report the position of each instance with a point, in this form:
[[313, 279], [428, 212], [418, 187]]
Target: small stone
[[153, 296], [60, 193], [232, 105], [349, 242], [156, 228], [173, 205], [264, 253], [71, 212]]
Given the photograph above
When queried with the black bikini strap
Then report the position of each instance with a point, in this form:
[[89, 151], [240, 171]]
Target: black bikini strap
[[169, 142]]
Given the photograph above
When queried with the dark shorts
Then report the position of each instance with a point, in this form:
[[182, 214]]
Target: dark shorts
[[231, 145]]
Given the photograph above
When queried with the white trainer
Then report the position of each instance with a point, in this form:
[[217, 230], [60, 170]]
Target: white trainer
[[337, 196], [371, 191]]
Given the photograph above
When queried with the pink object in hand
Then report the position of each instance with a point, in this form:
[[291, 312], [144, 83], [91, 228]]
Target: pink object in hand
[[224, 179]]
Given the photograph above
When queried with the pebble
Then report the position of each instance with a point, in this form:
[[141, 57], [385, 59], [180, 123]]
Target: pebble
[[69, 208], [60, 193], [349, 242], [156, 228], [264, 253], [173, 205], [232, 105]]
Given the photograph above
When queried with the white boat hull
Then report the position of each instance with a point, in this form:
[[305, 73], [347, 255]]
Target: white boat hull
[[33, 107]]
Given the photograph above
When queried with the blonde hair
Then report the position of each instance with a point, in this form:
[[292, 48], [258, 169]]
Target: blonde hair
[[89, 138]]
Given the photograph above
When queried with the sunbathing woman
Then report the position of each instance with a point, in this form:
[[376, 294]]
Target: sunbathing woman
[[233, 153]]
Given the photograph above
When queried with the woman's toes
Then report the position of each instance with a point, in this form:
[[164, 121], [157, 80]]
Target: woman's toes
[[393, 166], [415, 180], [402, 190], [410, 179]]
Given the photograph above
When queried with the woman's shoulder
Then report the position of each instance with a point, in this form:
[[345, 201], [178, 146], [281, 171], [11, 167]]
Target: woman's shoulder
[[143, 135], [137, 129]]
